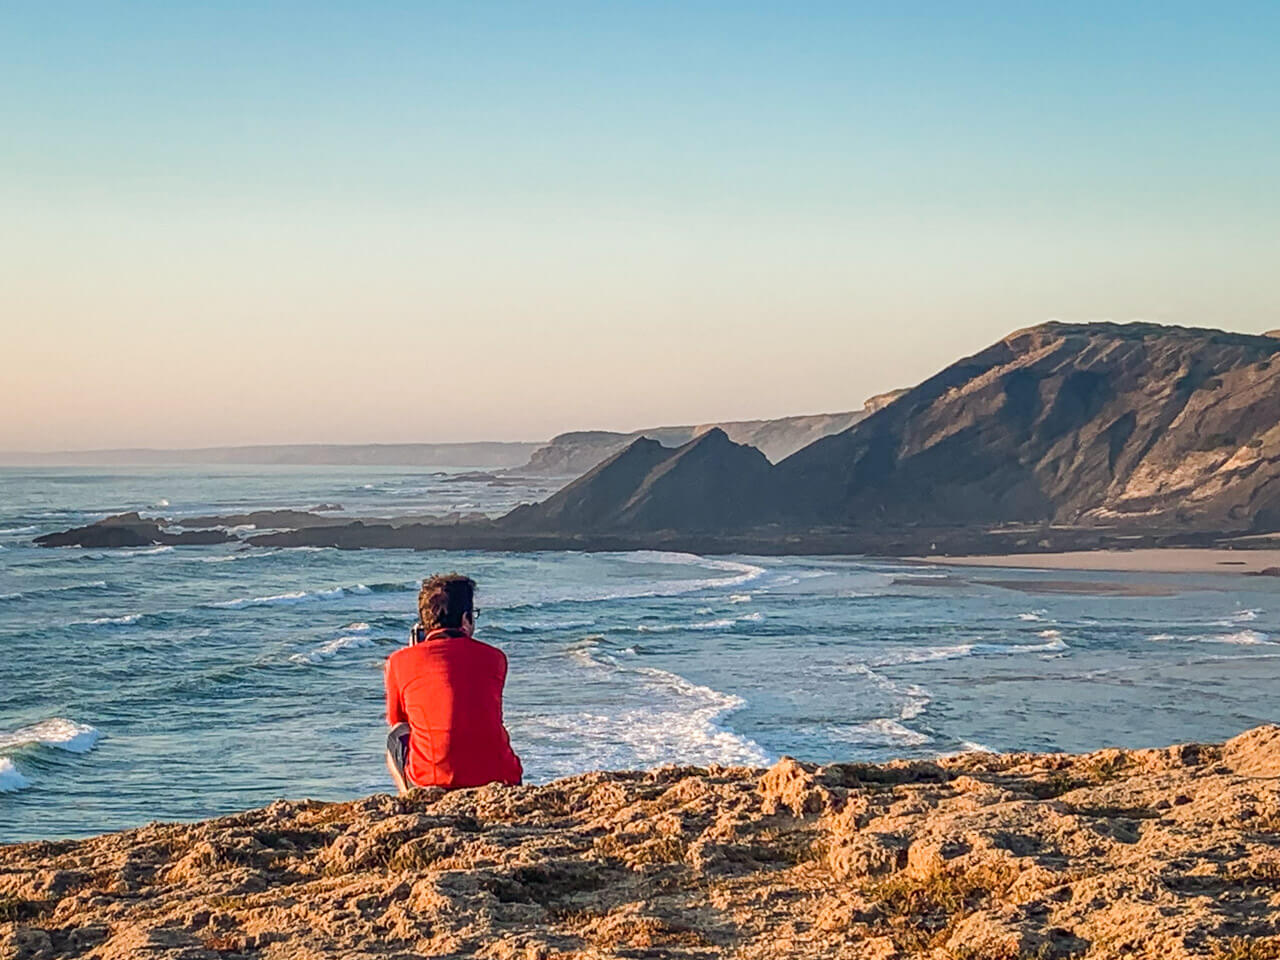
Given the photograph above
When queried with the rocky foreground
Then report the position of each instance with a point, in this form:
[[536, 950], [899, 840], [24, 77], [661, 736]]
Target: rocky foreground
[[1148, 853]]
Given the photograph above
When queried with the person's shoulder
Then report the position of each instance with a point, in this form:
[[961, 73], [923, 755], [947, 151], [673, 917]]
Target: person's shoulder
[[399, 656], [488, 648]]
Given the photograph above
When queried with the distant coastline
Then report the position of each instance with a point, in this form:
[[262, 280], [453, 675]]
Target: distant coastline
[[478, 454]]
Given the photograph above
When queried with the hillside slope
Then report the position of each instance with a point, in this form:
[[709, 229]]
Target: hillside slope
[[1073, 423], [573, 454], [1134, 427], [706, 484]]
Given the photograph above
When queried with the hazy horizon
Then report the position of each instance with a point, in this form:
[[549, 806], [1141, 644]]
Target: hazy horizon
[[392, 222]]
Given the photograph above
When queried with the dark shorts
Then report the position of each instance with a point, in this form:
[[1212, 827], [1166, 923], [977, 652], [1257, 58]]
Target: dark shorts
[[398, 749]]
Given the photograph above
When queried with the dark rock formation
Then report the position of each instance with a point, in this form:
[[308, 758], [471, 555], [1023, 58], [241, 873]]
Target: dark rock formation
[[1096, 424], [709, 483], [128, 530], [573, 454]]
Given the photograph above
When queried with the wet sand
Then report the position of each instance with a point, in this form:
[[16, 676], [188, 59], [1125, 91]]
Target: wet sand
[[1162, 560]]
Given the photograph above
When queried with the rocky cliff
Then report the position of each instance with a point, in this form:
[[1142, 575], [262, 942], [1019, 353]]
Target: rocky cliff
[[573, 454], [1095, 424], [1170, 853], [1135, 427], [705, 484]]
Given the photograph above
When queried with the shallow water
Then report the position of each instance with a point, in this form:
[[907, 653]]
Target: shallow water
[[177, 683]]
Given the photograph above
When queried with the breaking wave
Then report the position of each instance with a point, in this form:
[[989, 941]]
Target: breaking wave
[[10, 779], [56, 732], [309, 596], [126, 620], [330, 649], [674, 721]]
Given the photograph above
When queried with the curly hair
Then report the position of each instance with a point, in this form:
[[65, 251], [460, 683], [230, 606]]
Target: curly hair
[[445, 598]]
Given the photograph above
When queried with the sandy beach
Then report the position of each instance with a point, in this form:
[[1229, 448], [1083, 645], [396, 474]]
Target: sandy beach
[[1163, 560]]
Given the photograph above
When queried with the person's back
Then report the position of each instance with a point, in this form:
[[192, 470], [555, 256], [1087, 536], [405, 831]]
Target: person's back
[[444, 698]]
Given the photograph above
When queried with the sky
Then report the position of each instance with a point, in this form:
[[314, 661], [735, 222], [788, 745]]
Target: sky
[[279, 222]]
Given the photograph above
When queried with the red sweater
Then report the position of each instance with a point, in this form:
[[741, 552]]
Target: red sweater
[[448, 688]]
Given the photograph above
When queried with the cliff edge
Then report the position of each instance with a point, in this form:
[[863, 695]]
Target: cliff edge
[[1169, 853]]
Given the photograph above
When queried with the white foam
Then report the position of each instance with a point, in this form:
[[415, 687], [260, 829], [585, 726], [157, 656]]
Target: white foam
[[722, 623], [330, 649], [1161, 637], [1240, 616], [56, 732], [128, 618], [358, 627], [742, 572], [297, 596], [162, 502], [1053, 644], [968, 746], [914, 699], [13, 531], [10, 779], [242, 555], [682, 722], [1242, 638], [1035, 616], [739, 598], [925, 655], [881, 730], [146, 551]]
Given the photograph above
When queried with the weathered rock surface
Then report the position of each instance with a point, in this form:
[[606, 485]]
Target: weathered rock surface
[[1169, 853], [1098, 424]]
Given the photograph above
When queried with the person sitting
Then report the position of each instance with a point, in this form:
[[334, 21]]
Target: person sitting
[[444, 697]]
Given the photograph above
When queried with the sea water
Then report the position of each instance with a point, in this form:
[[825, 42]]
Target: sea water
[[183, 682]]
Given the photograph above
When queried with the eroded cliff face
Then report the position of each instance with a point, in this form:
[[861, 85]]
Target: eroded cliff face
[[573, 454], [1071, 423], [1169, 853]]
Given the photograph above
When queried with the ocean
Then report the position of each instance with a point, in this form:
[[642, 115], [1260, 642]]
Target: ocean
[[174, 683]]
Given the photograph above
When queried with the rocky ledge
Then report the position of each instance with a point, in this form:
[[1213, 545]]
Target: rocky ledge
[[1163, 853]]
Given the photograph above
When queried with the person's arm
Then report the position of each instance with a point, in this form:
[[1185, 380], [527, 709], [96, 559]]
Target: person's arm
[[517, 768], [395, 709]]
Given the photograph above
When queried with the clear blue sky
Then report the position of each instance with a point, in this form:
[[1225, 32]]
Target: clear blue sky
[[264, 222]]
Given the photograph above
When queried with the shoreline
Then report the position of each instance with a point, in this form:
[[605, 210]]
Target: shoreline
[[1060, 548], [1254, 562], [1166, 852]]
